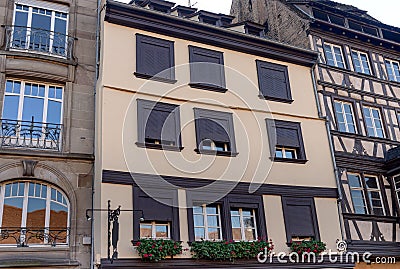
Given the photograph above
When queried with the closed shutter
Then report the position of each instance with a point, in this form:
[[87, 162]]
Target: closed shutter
[[44, 4], [160, 125], [160, 209], [273, 80], [216, 130], [300, 218], [207, 67], [287, 137], [154, 57]]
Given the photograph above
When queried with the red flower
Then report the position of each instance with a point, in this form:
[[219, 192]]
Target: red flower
[[146, 255], [152, 246], [160, 248], [138, 244], [315, 251], [226, 243], [150, 255]]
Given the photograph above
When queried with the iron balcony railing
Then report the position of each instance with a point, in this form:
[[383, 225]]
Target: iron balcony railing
[[24, 237], [39, 40], [30, 134]]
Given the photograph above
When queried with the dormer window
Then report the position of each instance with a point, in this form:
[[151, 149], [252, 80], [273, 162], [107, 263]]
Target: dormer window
[[363, 28], [320, 15]]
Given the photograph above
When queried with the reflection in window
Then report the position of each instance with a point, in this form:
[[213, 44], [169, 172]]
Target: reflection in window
[[243, 224], [345, 118], [155, 230], [373, 122], [207, 222], [361, 62], [393, 70], [357, 194], [334, 55], [34, 207]]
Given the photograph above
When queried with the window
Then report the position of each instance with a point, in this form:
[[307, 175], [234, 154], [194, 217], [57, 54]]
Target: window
[[243, 224], [365, 188], [286, 141], [33, 112], [344, 117], [328, 17], [41, 28], [396, 181], [161, 213], [207, 69], [155, 58], [154, 230], [207, 222], [273, 82], [361, 62], [35, 212], [393, 70], [158, 125], [300, 219], [363, 28], [334, 55], [214, 132], [373, 122]]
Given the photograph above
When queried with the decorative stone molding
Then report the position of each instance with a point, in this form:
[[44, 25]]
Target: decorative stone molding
[[28, 167]]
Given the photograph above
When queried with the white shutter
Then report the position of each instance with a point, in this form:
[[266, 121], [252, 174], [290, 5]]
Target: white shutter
[[44, 4]]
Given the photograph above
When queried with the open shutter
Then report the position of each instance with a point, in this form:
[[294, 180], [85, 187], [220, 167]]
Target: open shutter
[[212, 129], [160, 125], [154, 56], [273, 80], [207, 67]]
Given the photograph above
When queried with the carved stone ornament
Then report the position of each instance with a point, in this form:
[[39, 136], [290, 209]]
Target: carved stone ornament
[[29, 168]]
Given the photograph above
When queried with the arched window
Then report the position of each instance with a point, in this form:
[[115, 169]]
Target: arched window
[[33, 213]]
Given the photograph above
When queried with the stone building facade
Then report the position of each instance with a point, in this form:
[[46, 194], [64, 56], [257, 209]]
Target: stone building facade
[[47, 74], [357, 79]]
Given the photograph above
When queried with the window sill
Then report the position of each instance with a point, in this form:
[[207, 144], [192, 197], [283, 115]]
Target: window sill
[[285, 160], [216, 153], [158, 146], [208, 87], [276, 99], [154, 78]]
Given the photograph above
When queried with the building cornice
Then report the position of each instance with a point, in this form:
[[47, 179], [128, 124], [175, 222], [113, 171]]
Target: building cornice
[[160, 23]]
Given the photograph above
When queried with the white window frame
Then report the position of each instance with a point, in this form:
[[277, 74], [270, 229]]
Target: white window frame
[[359, 53], [284, 150], [345, 115], [361, 189], [213, 146], [242, 228], [48, 199], [204, 214], [397, 189], [52, 23], [371, 116], [154, 224], [391, 64], [376, 190], [332, 48]]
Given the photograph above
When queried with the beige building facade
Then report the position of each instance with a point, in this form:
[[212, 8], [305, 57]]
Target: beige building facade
[[196, 114], [47, 71]]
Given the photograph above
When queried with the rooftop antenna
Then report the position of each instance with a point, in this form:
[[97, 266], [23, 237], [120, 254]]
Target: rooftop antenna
[[190, 3]]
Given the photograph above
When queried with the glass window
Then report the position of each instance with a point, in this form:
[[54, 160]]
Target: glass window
[[40, 29], [207, 222], [31, 206], [374, 195], [357, 194], [286, 153], [373, 122], [155, 230], [393, 70], [344, 117], [361, 62], [334, 55], [243, 224], [396, 181]]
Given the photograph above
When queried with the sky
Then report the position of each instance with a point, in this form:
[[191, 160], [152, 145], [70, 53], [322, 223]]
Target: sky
[[387, 11]]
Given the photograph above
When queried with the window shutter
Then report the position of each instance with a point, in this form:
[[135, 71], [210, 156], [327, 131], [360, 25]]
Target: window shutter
[[300, 217], [287, 137], [154, 56], [213, 129], [273, 80], [160, 125], [155, 210], [207, 67], [44, 4]]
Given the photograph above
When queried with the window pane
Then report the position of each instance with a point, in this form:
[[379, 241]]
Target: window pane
[[12, 212], [162, 231], [356, 61], [371, 182], [59, 40], [59, 221], [36, 213], [236, 234], [198, 220], [290, 154], [248, 222], [145, 231], [10, 109], [40, 37], [198, 210], [54, 112], [213, 234], [329, 56], [212, 221], [33, 109], [199, 233], [354, 180], [212, 210], [278, 153], [235, 222], [250, 234]]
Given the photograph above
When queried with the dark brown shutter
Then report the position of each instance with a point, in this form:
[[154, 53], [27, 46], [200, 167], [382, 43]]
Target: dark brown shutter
[[155, 210], [273, 80], [207, 67], [216, 130], [287, 137], [300, 217], [160, 125], [154, 56]]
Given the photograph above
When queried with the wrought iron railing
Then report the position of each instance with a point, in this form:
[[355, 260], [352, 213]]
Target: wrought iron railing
[[39, 40], [30, 134], [24, 237]]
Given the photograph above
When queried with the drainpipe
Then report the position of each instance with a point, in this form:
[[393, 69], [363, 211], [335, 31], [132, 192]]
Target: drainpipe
[[332, 149], [97, 59]]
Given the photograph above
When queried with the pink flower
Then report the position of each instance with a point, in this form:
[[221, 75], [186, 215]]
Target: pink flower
[[138, 244], [150, 255], [146, 255]]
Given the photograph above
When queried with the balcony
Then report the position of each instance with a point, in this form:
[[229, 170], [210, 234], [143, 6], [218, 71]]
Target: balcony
[[39, 41], [30, 134], [24, 237]]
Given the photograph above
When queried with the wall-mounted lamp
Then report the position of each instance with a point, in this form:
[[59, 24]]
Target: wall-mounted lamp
[[113, 220]]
